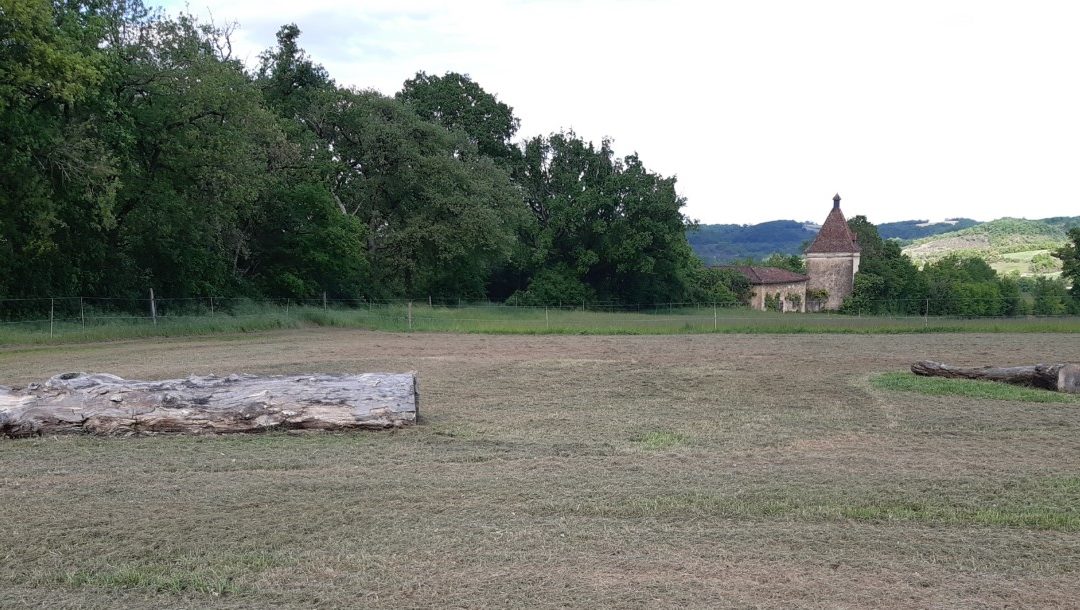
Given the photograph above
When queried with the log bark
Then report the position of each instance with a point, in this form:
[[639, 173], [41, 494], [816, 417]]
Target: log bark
[[98, 403], [1058, 377]]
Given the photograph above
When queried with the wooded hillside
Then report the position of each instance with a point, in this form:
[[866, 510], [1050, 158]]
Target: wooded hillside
[[994, 238], [993, 241]]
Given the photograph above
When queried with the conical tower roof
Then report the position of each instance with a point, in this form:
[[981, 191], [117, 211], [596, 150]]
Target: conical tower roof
[[834, 236]]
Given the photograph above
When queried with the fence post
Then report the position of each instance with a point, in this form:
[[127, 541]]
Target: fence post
[[287, 307], [153, 307], [410, 315], [547, 320], [324, 300], [926, 314], [429, 301], [52, 313], [211, 307], [82, 312], [714, 316]]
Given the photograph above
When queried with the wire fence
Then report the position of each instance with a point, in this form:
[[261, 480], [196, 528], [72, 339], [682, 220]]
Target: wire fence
[[72, 315]]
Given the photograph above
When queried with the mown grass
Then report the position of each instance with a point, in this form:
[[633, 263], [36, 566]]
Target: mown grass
[[690, 470], [939, 386], [158, 579], [496, 319], [1049, 503]]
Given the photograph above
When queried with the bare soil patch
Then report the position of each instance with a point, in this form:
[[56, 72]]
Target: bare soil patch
[[693, 471]]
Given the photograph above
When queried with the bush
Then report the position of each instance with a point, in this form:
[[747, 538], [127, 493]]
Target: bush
[[555, 286], [1051, 297], [719, 286]]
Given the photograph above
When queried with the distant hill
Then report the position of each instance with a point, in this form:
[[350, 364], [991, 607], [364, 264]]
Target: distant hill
[[1008, 244], [907, 230], [720, 244]]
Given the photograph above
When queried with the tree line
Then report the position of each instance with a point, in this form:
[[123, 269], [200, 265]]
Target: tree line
[[888, 282], [137, 152]]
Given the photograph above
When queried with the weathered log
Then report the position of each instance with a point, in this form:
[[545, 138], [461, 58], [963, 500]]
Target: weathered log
[[108, 405], [1059, 377]]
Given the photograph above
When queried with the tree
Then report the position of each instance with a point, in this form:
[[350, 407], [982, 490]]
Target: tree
[[966, 286], [136, 152], [870, 243], [1069, 254], [436, 223], [287, 76], [718, 286], [887, 280], [1051, 297], [457, 102], [791, 262], [201, 147], [611, 223], [59, 178], [433, 216], [305, 246]]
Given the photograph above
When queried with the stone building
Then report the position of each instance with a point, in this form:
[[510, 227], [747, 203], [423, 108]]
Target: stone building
[[832, 260], [769, 284]]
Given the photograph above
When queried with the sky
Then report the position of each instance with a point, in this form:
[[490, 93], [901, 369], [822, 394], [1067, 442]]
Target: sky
[[762, 109]]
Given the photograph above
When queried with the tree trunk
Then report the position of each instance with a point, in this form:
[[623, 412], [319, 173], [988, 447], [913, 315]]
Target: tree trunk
[[1060, 377], [108, 405]]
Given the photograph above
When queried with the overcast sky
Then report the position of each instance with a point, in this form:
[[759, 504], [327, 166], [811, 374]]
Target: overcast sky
[[763, 110]]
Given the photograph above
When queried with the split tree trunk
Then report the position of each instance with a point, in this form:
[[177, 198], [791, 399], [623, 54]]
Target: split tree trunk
[[108, 405], [1060, 377]]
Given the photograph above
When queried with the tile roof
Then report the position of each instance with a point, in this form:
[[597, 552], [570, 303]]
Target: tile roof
[[769, 275], [834, 236]]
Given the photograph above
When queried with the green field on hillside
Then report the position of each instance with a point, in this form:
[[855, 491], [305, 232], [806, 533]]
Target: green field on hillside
[[1007, 243], [1028, 262]]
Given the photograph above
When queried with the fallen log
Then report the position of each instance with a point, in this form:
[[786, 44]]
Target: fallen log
[[1059, 377], [98, 403]]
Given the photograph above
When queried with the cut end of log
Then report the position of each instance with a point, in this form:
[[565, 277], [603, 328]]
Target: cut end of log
[[1069, 379]]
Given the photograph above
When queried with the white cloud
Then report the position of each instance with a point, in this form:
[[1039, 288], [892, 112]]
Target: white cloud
[[762, 109]]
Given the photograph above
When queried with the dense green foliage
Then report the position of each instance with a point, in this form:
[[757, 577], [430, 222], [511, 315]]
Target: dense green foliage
[[1069, 254], [604, 228], [887, 281], [136, 153], [955, 285], [791, 262]]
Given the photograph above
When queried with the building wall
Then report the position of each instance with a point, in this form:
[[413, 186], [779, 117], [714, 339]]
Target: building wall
[[833, 272], [758, 292]]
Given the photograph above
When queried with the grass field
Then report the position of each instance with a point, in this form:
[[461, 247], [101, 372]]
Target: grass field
[[692, 471], [498, 319], [1020, 262]]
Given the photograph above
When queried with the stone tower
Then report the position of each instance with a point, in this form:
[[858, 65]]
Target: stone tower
[[833, 259]]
